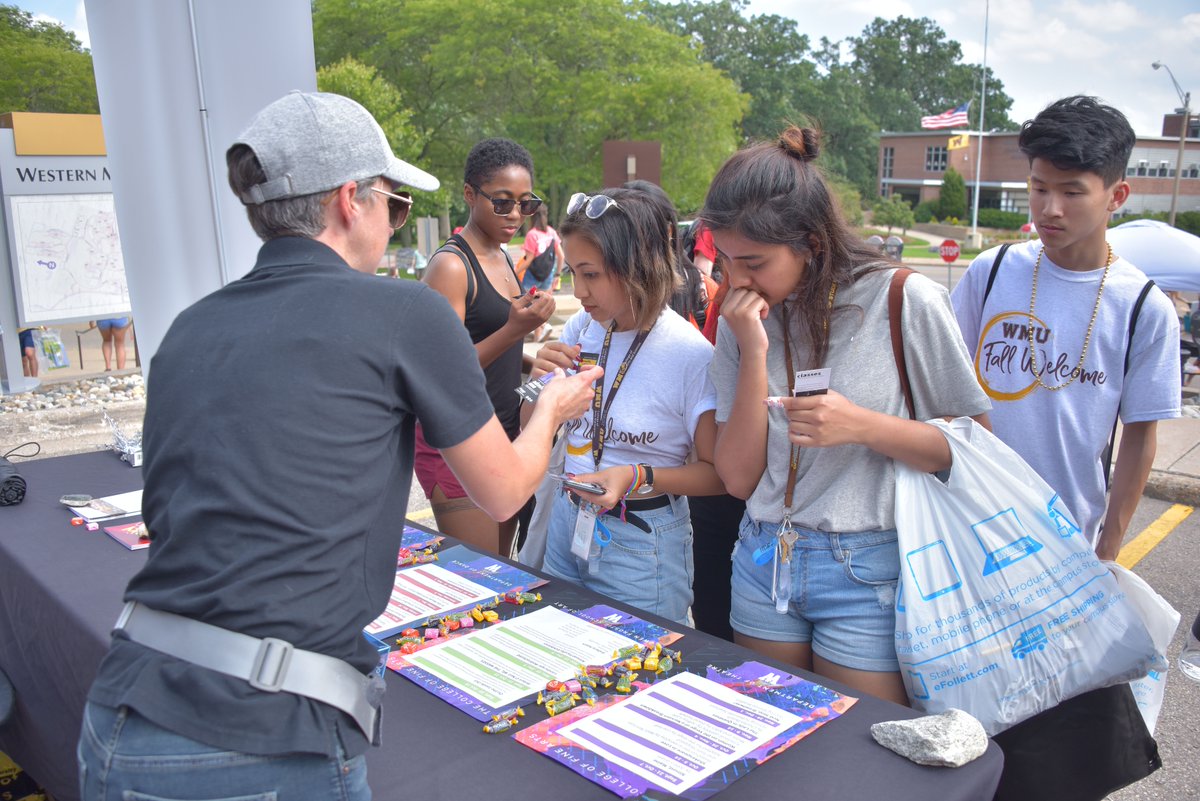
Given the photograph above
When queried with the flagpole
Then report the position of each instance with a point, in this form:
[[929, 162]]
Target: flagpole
[[975, 238]]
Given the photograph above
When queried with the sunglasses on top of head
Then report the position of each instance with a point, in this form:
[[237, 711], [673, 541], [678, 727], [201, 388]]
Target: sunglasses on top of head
[[593, 206], [503, 206], [399, 204]]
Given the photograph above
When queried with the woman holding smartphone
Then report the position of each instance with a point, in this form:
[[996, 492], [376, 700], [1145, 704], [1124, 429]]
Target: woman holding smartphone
[[632, 540]]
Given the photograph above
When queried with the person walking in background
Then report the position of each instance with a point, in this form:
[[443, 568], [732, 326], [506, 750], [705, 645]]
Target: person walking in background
[[633, 540], [112, 334], [29, 359], [704, 252], [474, 272], [540, 238], [816, 567]]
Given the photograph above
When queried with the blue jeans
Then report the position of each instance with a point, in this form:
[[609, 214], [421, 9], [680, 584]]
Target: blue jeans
[[650, 571], [843, 593], [125, 757]]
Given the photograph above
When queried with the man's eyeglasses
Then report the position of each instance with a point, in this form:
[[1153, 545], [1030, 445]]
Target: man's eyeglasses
[[593, 206], [399, 205], [503, 206]]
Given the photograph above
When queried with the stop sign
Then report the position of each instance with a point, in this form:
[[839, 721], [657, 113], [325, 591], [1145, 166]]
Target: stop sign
[[949, 251]]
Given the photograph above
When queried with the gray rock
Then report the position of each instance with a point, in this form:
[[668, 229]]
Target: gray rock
[[950, 740]]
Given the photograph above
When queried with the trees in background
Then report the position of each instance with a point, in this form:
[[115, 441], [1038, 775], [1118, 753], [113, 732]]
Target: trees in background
[[887, 78], [564, 77], [908, 69], [952, 202], [893, 212], [702, 77], [43, 67]]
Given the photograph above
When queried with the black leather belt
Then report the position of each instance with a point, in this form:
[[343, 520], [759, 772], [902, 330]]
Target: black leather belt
[[632, 506], [646, 504]]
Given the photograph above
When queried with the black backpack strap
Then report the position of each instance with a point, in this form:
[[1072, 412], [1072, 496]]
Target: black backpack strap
[[992, 275], [1133, 318]]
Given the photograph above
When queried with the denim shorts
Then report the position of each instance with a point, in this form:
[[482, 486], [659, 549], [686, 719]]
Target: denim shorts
[[125, 757], [650, 571], [843, 597], [112, 322]]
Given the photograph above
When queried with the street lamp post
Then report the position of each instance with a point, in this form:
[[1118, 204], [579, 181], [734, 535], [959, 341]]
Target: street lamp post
[[1183, 129]]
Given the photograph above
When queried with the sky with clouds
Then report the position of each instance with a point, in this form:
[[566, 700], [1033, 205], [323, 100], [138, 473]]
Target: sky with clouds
[[1041, 49]]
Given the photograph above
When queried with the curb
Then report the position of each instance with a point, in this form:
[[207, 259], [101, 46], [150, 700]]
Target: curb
[[1173, 488]]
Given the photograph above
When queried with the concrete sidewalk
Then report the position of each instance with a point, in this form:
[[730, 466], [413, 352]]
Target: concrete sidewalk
[[1175, 476]]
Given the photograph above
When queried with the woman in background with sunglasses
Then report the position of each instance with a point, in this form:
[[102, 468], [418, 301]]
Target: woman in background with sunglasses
[[633, 540], [476, 275]]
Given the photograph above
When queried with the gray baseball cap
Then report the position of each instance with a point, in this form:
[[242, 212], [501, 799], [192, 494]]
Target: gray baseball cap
[[309, 142]]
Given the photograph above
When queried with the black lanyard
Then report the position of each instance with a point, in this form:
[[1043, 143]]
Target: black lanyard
[[599, 409]]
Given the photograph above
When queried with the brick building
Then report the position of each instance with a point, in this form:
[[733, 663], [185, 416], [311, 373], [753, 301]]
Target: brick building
[[912, 165]]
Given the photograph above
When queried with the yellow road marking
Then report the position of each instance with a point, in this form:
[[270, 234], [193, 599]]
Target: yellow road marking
[[1136, 549]]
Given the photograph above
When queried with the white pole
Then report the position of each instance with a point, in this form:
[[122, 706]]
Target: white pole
[[975, 238], [177, 82]]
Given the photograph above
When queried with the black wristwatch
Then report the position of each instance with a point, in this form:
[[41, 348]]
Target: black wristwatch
[[647, 485]]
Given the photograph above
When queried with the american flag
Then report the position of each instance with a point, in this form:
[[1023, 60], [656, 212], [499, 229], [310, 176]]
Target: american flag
[[953, 118]]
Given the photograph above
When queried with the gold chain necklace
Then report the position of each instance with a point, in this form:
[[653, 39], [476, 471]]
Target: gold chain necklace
[[1087, 339]]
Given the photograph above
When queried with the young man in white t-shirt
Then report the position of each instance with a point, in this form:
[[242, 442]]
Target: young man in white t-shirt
[[1049, 328], [1065, 336]]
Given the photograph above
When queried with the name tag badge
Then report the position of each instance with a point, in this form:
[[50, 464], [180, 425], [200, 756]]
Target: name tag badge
[[585, 527], [811, 382]]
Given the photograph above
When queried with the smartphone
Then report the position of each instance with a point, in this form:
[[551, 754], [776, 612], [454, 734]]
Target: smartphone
[[580, 486]]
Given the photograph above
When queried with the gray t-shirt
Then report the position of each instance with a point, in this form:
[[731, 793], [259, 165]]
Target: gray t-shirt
[[851, 488]]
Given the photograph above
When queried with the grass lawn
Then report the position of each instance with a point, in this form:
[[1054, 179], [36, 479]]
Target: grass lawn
[[922, 251]]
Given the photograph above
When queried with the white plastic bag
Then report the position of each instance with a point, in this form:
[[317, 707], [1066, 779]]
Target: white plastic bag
[[1004, 609], [1161, 620]]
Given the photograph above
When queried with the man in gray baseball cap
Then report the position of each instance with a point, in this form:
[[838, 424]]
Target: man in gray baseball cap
[[278, 450]]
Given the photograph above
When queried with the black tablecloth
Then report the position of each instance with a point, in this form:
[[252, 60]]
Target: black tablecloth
[[60, 593]]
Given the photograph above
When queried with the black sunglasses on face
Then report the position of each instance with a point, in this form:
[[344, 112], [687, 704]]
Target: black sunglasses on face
[[503, 206], [399, 204]]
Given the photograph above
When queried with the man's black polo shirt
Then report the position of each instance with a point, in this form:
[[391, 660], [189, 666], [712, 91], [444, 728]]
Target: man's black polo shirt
[[278, 444]]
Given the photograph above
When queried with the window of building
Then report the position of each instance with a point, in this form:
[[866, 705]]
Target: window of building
[[935, 159], [1192, 171], [889, 158], [1142, 167], [1164, 169]]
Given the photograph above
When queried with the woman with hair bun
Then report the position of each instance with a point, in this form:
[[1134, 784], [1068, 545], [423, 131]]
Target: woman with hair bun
[[816, 565], [654, 406]]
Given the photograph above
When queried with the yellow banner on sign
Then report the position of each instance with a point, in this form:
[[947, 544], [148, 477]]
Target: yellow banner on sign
[[959, 142]]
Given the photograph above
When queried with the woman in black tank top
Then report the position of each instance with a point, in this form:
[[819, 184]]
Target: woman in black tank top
[[476, 275]]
